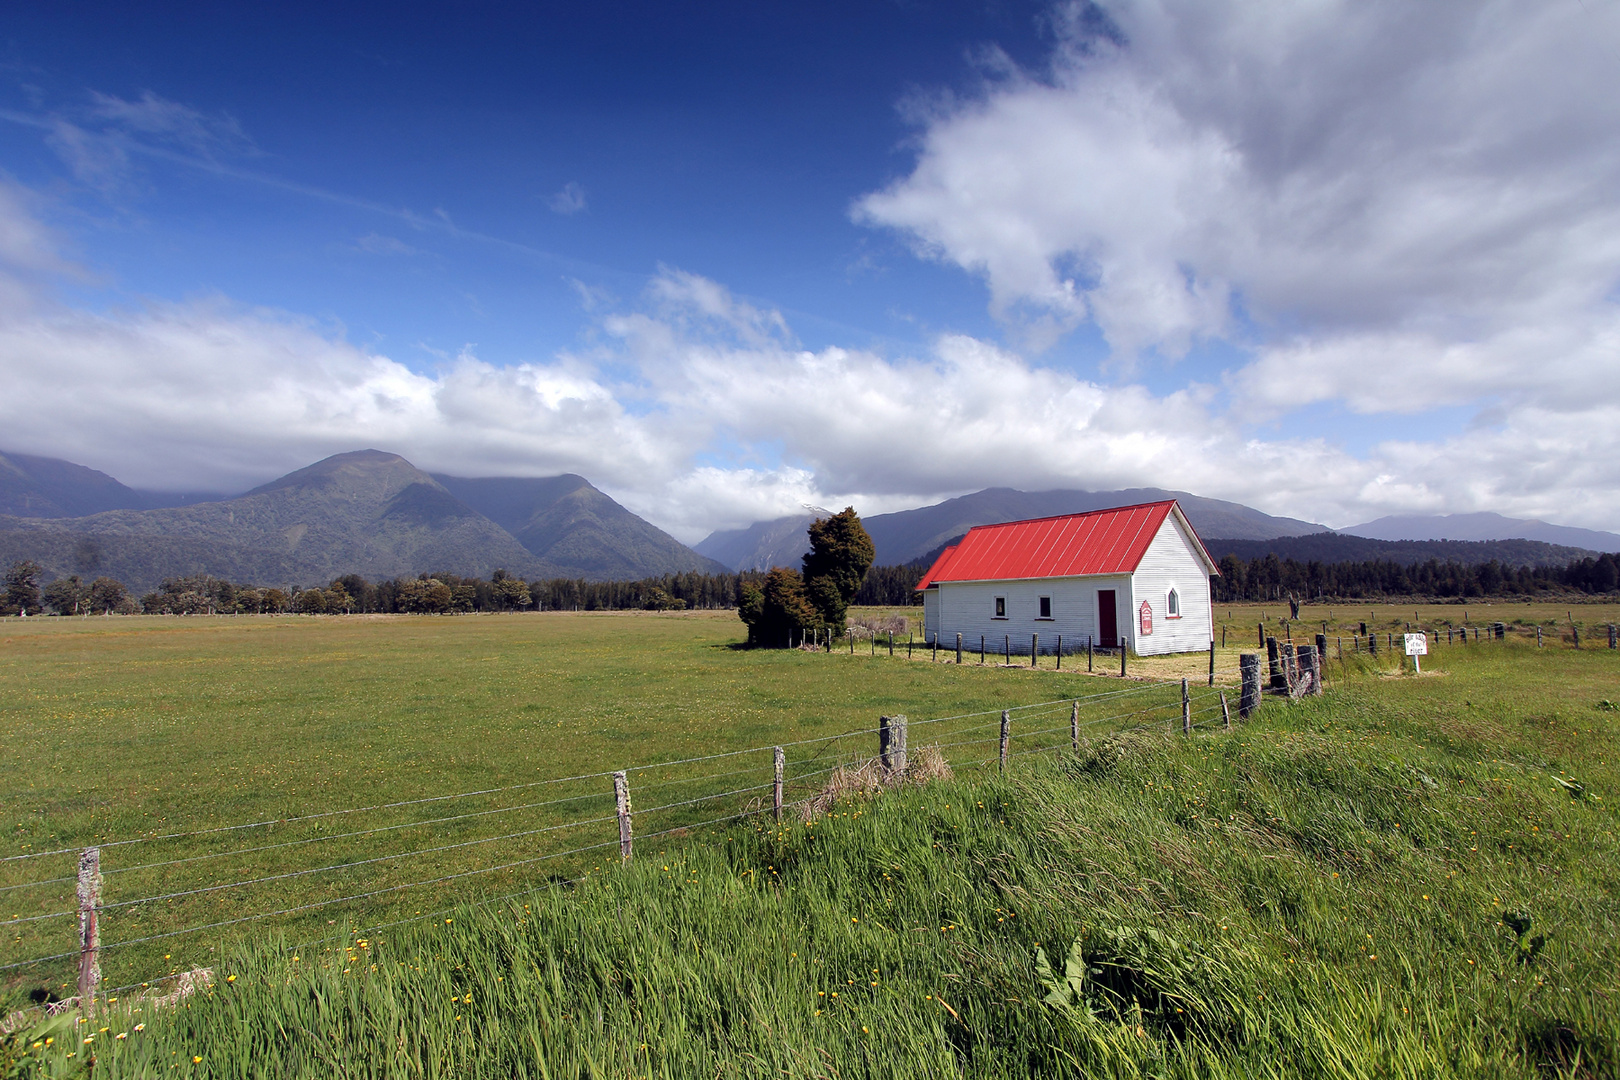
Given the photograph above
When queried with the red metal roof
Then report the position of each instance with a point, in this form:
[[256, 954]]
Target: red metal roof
[[1099, 542]]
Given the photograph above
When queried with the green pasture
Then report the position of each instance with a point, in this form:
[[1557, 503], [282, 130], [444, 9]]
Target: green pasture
[[127, 727], [1409, 876]]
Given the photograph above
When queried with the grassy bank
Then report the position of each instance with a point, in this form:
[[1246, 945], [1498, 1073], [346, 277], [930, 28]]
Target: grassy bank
[[1410, 876]]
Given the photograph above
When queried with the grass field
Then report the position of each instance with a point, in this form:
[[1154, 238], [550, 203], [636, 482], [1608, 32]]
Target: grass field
[[1319, 892], [128, 727]]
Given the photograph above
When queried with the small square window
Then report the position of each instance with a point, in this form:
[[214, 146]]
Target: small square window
[[1001, 607], [1046, 607]]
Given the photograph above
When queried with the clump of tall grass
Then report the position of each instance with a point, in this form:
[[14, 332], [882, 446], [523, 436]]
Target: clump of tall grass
[[862, 780]]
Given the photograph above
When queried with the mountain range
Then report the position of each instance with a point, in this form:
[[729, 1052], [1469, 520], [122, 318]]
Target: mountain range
[[366, 512], [918, 535], [377, 515], [1483, 526]]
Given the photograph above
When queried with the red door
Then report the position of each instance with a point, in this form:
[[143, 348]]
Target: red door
[[1107, 619]]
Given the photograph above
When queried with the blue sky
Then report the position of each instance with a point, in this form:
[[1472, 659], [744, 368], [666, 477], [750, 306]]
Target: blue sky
[[1334, 260]]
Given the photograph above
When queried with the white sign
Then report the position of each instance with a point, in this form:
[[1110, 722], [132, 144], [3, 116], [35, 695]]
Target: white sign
[[1417, 644]]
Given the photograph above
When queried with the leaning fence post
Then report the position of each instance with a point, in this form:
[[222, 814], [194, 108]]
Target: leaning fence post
[[621, 796], [1186, 709], [89, 890], [1249, 695], [1074, 725], [778, 766], [1006, 736], [1226, 711]]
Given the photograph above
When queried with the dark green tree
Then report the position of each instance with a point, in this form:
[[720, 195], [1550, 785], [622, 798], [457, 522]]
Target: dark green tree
[[836, 564], [22, 589], [777, 610], [67, 596]]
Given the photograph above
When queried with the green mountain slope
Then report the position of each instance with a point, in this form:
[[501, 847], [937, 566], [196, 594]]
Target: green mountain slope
[[564, 521]]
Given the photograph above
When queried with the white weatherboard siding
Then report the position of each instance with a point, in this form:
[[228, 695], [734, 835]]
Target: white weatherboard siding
[[968, 608], [1170, 562]]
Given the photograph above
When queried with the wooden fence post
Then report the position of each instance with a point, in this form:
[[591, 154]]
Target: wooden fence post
[[1186, 709], [89, 890], [1060, 652], [936, 646], [1074, 725], [1122, 656], [1613, 641], [1261, 628], [1006, 736], [1212, 661], [981, 650], [1223, 635], [621, 797], [1290, 665], [958, 649], [1034, 640], [849, 632], [891, 642], [1226, 712], [1538, 636], [1089, 653], [778, 767], [1274, 661], [1309, 679], [1006, 650], [1321, 660], [1249, 695], [1577, 632], [892, 743]]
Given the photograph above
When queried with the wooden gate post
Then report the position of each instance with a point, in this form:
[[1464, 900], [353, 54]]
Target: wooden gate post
[[89, 890], [1249, 695], [778, 767], [1006, 736], [621, 797], [1186, 709]]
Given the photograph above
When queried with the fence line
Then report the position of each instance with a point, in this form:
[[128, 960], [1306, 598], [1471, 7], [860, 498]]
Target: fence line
[[1026, 713]]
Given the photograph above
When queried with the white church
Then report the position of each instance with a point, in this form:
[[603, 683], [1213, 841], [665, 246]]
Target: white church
[[1133, 575]]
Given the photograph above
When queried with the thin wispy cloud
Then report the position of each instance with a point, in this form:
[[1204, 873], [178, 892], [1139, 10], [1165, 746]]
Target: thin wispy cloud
[[568, 201]]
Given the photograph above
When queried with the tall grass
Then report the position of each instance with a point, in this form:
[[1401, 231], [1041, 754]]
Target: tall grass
[[1349, 886]]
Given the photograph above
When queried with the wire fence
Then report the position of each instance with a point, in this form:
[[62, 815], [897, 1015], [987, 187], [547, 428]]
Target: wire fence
[[174, 899]]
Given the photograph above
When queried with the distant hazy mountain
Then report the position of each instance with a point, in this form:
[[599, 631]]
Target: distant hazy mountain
[[564, 521], [764, 544], [1483, 526], [1337, 547], [367, 512], [909, 535], [42, 487]]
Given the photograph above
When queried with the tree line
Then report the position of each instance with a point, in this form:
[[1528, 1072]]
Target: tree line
[[1269, 578], [428, 593]]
